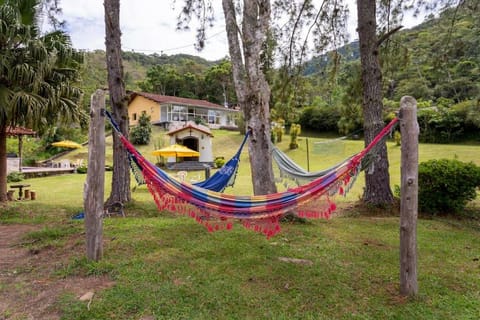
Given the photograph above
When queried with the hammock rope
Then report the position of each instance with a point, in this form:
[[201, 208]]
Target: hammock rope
[[219, 181], [289, 169], [260, 213], [225, 177]]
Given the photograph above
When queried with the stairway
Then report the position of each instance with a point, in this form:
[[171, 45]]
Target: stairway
[[189, 166]]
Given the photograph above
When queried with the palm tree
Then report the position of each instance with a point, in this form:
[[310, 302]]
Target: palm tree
[[37, 75]]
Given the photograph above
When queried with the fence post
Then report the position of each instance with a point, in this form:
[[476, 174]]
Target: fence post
[[409, 196], [95, 183]]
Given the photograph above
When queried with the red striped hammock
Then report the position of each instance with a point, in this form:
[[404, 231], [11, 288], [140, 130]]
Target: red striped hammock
[[261, 213]]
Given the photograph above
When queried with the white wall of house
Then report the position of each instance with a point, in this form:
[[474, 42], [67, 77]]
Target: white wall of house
[[204, 144], [13, 164]]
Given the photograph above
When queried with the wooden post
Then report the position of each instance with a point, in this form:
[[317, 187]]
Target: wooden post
[[20, 146], [308, 157], [409, 196], [95, 183]]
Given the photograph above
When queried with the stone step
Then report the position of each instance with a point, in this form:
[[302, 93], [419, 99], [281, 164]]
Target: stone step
[[189, 166]]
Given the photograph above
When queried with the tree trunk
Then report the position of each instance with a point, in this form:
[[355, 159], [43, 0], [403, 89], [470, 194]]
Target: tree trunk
[[252, 89], [3, 163], [95, 183], [121, 171], [377, 181]]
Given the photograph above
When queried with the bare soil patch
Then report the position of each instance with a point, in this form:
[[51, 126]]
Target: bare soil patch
[[29, 288]]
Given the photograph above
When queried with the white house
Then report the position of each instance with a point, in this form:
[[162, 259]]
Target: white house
[[195, 137], [172, 111]]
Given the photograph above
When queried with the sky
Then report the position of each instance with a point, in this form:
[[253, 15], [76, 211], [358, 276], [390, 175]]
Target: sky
[[149, 26]]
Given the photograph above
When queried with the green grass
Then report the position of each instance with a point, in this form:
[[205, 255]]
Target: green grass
[[169, 267], [172, 269]]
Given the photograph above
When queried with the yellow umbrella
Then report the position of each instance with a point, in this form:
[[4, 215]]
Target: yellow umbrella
[[176, 150], [67, 144]]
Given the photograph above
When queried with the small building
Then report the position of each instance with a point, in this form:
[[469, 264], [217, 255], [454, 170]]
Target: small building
[[195, 137], [14, 161], [170, 111]]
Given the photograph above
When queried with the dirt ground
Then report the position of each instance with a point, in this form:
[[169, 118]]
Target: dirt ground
[[28, 287]]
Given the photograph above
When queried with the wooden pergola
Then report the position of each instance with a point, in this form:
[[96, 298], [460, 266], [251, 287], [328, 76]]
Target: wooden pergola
[[20, 132]]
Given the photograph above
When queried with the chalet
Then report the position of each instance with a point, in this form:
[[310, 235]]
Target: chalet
[[167, 111]]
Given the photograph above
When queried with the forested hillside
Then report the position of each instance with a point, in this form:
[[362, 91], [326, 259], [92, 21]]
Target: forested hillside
[[437, 62], [135, 64], [438, 58]]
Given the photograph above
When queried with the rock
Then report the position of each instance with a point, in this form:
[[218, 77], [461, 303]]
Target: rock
[[87, 296], [297, 261]]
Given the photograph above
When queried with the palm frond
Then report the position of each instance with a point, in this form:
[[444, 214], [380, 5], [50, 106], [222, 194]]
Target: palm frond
[[37, 72]]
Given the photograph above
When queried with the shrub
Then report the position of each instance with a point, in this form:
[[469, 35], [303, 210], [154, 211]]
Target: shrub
[[295, 130], [320, 117], [219, 162], [446, 185], [140, 134], [15, 176], [82, 169], [397, 136], [278, 130]]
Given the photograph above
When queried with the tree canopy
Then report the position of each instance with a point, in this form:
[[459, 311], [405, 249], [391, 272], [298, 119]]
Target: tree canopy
[[38, 75]]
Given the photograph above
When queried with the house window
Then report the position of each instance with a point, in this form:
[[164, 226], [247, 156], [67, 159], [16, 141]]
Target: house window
[[178, 113], [134, 117], [191, 114], [201, 114], [211, 116], [214, 117]]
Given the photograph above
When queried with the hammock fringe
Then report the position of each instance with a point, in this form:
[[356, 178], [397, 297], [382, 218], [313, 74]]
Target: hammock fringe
[[216, 211]]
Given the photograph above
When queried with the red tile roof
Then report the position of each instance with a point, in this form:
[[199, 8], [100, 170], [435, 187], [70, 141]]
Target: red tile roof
[[191, 125], [20, 131], [183, 101]]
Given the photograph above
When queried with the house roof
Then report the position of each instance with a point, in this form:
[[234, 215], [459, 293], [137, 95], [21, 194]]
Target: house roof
[[20, 131], [190, 125], [183, 101]]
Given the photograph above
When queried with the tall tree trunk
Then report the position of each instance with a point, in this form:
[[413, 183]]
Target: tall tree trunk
[[377, 181], [121, 172], [3, 163], [252, 89]]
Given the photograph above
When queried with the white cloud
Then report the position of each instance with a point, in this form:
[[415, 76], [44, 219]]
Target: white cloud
[[147, 26]]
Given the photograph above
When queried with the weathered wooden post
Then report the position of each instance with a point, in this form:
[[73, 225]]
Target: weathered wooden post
[[409, 196], [95, 184]]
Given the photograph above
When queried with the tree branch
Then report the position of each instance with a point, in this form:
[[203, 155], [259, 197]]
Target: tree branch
[[387, 35]]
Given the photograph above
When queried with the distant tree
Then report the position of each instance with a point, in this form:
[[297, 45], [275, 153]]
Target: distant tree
[[219, 83], [162, 79], [185, 79], [301, 24], [37, 75]]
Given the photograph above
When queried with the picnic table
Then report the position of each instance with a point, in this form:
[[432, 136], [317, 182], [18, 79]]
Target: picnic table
[[20, 189]]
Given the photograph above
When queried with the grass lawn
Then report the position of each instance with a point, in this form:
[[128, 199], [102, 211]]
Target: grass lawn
[[162, 266]]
